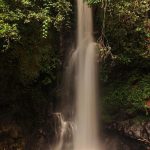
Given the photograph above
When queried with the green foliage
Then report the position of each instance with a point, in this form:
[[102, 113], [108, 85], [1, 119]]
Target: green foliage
[[30, 58], [96, 2], [27, 28], [130, 95], [124, 27], [17, 14], [49, 64], [62, 9], [128, 23]]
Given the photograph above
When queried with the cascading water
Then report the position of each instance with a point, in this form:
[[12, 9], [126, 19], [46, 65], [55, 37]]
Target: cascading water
[[86, 136], [81, 85]]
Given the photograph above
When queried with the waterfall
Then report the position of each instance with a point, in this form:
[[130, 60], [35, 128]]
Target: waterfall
[[86, 135], [81, 85]]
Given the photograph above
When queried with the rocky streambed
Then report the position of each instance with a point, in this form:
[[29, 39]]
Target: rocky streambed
[[123, 135], [134, 135], [115, 141]]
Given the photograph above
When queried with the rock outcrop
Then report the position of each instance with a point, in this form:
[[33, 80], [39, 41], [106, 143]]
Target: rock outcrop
[[54, 132], [133, 129]]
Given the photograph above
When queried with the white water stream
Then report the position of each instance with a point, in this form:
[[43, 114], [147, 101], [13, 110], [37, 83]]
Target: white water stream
[[86, 135], [81, 80]]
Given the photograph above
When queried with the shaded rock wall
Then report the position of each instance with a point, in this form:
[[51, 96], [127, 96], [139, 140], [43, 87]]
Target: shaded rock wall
[[11, 136], [133, 129]]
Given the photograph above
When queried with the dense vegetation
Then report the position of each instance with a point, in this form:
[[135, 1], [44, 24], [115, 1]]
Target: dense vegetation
[[125, 36], [35, 36], [31, 54]]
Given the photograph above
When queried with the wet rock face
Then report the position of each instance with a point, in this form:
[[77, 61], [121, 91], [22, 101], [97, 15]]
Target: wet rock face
[[45, 136], [59, 128], [55, 131], [137, 130]]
